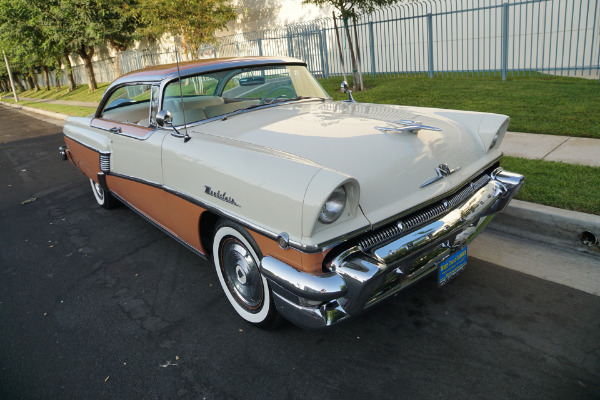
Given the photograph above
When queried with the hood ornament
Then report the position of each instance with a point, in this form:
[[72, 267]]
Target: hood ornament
[[408, 126], [442, 171]]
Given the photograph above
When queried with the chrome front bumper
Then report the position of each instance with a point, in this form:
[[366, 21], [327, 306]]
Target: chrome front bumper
[[359, 278]]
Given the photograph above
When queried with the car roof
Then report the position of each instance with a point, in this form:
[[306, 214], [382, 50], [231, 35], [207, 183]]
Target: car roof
[[158, 73]]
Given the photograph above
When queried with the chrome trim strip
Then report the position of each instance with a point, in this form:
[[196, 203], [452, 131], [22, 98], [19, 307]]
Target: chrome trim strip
[[162, 228]]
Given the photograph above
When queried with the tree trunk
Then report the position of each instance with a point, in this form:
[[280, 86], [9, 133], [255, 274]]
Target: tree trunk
[[358, 59], [29, 82], [58, 74], [18, 82], [339, 43], [3, 84], [118, 49], [355, 74], [89, 67], [69, 72], [46, 77]]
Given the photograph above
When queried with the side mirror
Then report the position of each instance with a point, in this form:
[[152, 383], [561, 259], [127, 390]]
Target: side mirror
[[164, 117], [344, 86], [346, 89]]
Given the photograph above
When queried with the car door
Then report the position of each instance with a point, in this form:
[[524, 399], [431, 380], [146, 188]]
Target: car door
[[135, 158]]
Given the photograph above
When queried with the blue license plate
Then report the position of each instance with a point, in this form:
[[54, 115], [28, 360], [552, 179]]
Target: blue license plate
[[452, 266]]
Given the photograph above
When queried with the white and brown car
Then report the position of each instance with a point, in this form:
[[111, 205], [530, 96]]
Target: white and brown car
[[311, 209]]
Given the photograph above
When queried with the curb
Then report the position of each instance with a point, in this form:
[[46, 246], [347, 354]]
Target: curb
[[550, 225], [36, 110]]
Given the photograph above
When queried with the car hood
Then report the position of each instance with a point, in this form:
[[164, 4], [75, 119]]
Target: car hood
[[390, 167]]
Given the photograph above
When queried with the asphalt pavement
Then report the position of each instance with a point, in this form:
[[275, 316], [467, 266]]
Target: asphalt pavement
[[98, 304]]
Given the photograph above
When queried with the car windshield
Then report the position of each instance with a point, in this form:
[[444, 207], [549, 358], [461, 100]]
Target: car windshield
[[219, 93]]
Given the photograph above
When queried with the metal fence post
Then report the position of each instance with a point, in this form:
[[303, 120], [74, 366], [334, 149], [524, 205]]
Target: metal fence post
[[290, 45], [372, 45], [260, 52], [326, 58], [430, 43], [504, 41]]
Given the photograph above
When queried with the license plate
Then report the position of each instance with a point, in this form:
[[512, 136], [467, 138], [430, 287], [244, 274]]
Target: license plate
[[452, 266]]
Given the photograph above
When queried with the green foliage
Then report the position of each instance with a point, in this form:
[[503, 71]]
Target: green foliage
[[195, 20], [556, 184], [352, 8]]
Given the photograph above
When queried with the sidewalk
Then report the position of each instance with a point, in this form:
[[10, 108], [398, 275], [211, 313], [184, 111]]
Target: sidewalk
[[571, 150]]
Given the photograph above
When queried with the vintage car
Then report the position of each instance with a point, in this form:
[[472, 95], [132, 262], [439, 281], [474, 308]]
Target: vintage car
[[311, 209]]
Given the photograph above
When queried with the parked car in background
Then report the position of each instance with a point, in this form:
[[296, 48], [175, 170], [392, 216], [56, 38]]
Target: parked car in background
[[311, 209]]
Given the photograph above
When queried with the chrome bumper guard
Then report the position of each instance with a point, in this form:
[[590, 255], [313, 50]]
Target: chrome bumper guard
[[360, 278]]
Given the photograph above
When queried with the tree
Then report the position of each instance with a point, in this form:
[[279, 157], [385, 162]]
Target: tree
[[351, 10], [83, 25], [194, 20]]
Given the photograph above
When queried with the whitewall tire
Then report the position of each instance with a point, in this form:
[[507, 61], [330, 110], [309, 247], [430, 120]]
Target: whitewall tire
[[103, 197], [236, 260]]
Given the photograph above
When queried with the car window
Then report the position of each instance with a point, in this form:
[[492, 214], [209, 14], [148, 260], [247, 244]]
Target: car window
[[223, 92], [129, 104], [260, 83]]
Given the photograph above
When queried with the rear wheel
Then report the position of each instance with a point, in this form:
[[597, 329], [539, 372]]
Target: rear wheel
[[103, 197], [237, 261]]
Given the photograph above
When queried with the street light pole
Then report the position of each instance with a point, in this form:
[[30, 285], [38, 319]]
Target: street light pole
[[10, 78]]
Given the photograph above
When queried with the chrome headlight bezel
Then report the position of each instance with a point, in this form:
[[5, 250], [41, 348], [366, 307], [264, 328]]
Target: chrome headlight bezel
[[334, 206]]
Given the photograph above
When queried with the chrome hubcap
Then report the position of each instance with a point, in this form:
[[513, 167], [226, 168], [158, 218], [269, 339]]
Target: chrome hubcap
[[99, 191], [242, 274]]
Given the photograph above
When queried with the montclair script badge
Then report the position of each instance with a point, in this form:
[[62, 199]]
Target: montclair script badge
[[442, 171], [220, 196]]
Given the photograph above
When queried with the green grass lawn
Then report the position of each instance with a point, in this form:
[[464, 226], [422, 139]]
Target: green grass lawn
[[536, 104], [556, 184], [80, 93], [76, 111]]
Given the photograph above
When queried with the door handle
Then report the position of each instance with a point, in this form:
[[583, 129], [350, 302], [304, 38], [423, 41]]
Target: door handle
[[115, 129]]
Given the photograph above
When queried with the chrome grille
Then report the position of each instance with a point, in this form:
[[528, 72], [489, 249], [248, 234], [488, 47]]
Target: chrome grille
[[105, 162], [422, 216]]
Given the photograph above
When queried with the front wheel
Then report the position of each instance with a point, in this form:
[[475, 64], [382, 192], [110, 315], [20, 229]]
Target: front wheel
[[103, 197], [237, 265]]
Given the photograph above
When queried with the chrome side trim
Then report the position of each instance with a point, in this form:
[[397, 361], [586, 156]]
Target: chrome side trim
[[312, 287]]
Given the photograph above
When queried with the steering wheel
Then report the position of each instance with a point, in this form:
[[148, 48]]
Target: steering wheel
[[287, 88]]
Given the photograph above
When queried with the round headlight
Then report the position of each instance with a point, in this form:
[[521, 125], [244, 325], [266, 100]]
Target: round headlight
[[334, 206], [494, 140]]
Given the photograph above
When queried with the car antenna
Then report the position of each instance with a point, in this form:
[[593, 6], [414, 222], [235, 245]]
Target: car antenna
[[186, 137]]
